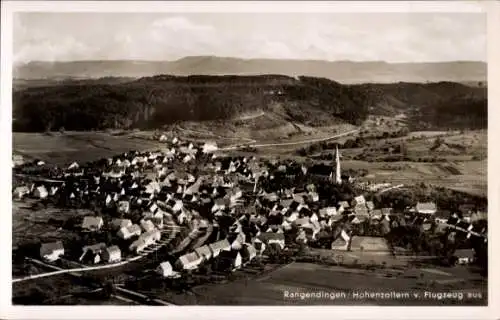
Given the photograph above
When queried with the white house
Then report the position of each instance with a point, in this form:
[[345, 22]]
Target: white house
[[91, 223], [219, 246], [147, 225], [51, 251], [112, 254], [327, 212], [204, 252], [21, 191], [41, 192], [123, 207], [189, 261], [129, 232], [138, 246], [117, 224], [209, 147], [165, 270]]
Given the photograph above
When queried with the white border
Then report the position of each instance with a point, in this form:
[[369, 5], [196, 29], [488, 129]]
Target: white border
[[9, 312]]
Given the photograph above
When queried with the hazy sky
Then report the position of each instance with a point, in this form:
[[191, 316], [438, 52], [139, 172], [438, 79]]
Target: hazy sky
[[393, 37]]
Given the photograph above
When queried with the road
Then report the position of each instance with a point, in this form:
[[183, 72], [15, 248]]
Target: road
[[295, 142]]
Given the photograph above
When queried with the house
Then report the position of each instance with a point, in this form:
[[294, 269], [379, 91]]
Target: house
[[229, 260], [342, 242], [138, 246], [112, 254], [238, 241], [165, 270], [91, 223], [259, 246], [147, 225], [312, 230], [150, 237], [376, 214], [359, 201], [21, 191], [126, 233], [464, 256], [248, 253], [209, 147], [386, 211], [217, 247], [327, 212], [117, 224], [370, 205], [123, 207], [41, 192], [343, 206], [426, 208], [204, 252], [189, 261], [51, 251], [93, 253], [272, 237]]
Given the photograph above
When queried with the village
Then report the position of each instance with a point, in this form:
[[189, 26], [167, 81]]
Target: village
[[229, 211]]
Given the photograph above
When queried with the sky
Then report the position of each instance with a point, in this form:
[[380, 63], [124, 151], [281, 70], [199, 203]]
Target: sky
[[369, 36]]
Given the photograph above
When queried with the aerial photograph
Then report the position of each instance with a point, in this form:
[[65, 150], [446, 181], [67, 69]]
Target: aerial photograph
[[246, 159]]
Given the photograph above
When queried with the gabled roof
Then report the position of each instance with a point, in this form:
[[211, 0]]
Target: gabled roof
[[220, 245], [267, 236], [52, 246], [426, 207], [203, 251]]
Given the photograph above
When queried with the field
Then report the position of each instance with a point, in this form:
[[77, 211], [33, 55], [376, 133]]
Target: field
[[32, 225], [459, 163], [305, 277], [63, 149]]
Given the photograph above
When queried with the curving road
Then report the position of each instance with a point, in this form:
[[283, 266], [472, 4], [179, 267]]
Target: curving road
[[295, 142]]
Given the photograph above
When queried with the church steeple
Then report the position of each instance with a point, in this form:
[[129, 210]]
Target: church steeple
[[335, 176]]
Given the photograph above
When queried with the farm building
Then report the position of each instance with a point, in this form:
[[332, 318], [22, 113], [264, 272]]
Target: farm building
[[21, 191], [272, 237], [259, 246], [51, 251], [92, 223], [189, 261], [117, 224], [217, 247], [209, 147], [426, 208], [92, 253], [327, 212], [229, 261], [359, 201], [138, 246], [248, 253], [204, 252], [464, 256], [165, 270], [342, 242], [112, 254], [129, 232], [237, 241], [123, 207], [41, 192], [150, 237], [147, 225]]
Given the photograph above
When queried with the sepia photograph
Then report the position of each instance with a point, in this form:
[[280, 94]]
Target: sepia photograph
[[239, 158]]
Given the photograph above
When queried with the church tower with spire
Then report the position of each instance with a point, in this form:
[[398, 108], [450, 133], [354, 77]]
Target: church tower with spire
[[335, 176]]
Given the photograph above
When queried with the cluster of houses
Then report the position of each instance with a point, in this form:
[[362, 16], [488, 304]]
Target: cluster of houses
[[188, 183]]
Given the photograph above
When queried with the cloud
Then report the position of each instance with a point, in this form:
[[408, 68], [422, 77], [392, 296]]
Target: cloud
[[391, 37]]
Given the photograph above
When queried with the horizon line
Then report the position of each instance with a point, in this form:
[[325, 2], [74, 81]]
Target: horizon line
[[248, 59]]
